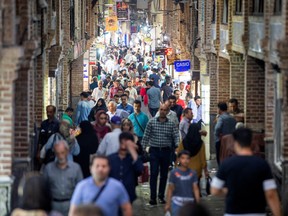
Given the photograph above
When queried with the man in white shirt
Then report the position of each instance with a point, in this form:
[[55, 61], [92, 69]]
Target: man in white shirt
[[99, 92], [132, 91], [183, 92], [113, 111]]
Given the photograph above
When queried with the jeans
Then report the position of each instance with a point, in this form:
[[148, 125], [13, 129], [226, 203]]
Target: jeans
[[217, 146], [159, 158], [174, 209], [153, 111]]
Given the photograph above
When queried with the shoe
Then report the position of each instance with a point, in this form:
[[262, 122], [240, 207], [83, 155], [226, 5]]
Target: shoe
[[162, 201], [152, 202]]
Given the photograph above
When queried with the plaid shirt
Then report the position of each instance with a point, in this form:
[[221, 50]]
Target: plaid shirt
[[160, 134]]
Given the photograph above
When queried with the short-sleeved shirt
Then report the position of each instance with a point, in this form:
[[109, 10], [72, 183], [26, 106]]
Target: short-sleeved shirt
[[128, 108], [142, 120], [247, 178], [112, 197], [183, 183]]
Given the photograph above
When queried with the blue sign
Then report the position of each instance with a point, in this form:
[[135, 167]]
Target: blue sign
[[181, 66]]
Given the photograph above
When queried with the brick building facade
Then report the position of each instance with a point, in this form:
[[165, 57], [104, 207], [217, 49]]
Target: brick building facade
[[242, 46], [41, 55]]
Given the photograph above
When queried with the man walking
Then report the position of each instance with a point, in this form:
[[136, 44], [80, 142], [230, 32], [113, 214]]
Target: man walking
[[185, 122], [62, 176], [83, 108], [126, 165], [139, 120], [160, 134], [248, 180], [124, 105], [225, 125], [154, 98], [99, 92], [107, 193]]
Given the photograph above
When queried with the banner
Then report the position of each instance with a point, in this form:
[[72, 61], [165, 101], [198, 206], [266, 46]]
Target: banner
[[122, 11], [181, 66], [111, 24]]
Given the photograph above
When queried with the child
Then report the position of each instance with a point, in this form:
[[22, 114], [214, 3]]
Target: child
[[183, 185]]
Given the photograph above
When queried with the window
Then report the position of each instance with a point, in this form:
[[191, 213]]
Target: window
[[214, 12], [72, 20], [278, 7], [258, 7], [225, 12], [238, 9]]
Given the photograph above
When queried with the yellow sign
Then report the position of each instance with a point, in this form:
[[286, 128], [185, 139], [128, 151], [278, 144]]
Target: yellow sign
[[111, 23]]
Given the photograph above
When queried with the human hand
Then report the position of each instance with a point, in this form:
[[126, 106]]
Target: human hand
[[203, 132], [167, 207]]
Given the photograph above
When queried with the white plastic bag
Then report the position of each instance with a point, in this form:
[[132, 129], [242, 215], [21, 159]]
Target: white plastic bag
[[168, 213]]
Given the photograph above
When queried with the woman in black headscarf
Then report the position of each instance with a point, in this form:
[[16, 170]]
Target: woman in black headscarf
[[194, 144], [100, 105], [88, 143]]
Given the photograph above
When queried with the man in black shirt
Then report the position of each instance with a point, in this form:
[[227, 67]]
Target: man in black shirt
[[247, 179], [175, 107]]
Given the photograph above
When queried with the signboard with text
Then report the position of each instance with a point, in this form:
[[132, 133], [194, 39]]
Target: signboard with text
[[183, 65], [122, 11]]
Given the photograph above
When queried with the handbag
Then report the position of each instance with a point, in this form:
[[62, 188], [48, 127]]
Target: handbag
[[144, 176], [208, 185]]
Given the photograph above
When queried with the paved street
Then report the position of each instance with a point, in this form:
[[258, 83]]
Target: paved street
[[214, 204]]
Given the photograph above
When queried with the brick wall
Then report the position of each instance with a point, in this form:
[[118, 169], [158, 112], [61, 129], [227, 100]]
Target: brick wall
[[223, 77], [76, 80], [237, 74], [39, 90], [212, 70], [255, 94]]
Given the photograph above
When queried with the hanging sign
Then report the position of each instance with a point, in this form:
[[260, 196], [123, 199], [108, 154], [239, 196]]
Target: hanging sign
[[183, 65]]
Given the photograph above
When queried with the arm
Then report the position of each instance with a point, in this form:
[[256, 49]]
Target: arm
[[72, 210], [102, 147], [127, 209], [170, 190], [146, 137], [196, 192], [273, 201], [217, 187], [175, 136], [218, 127]]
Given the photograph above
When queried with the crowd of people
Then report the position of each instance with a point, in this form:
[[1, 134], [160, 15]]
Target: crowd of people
[[133, 114]]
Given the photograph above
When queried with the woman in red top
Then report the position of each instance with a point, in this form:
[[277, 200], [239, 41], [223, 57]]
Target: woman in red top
[[100, 127]]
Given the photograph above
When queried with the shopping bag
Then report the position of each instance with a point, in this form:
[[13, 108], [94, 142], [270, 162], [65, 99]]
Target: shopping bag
[[144, 177]]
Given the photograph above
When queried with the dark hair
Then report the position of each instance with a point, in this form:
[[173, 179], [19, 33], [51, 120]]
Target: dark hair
[[150, 83], [191, 208], [233, 100], [186, 110], [116, 95], [126, 91], [243, 136], [53, 107], [176, 90], [94, 157], [69, 109], [183, 152], [197, 97], [182, 82], [126, 136], [88, 210], [34, 191], [172, 97], [84, 94], [124, 95], [137, 102], [222, 106]]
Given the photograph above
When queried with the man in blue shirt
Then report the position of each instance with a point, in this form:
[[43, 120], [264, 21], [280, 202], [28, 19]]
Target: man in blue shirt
[[155, 78], [126, 165], [154, 96], [112, 194], [124, 105], [139, 120], [83, 108]]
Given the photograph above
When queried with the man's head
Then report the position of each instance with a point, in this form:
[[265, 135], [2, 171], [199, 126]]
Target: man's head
[[64, 129], [242, 138], [177, 94], [69, 111], [120, 92], [124, 99], [172, 99], [163, 111], [95, 79], [129, 83], [233, 105], [50, 110], [184, 158], [61, 150], [222, 107], [137, 106], [112, 106], [197, 100], [187, 112], [100, 83], [116, 83], [99, 168], [116, 98], [123, 138], [108, 78], [149, 84], [182, 85], [84, 96]]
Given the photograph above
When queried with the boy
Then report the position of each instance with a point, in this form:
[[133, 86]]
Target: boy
[[183, 185]]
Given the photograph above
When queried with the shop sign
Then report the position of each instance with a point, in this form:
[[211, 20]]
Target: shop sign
[[111, 24], [122, 11], [183, 65]]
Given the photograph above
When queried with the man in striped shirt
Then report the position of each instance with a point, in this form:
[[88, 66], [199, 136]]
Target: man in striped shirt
[[160, 135]]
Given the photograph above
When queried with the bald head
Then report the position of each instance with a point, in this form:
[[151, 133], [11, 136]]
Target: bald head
[[163, 110]]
